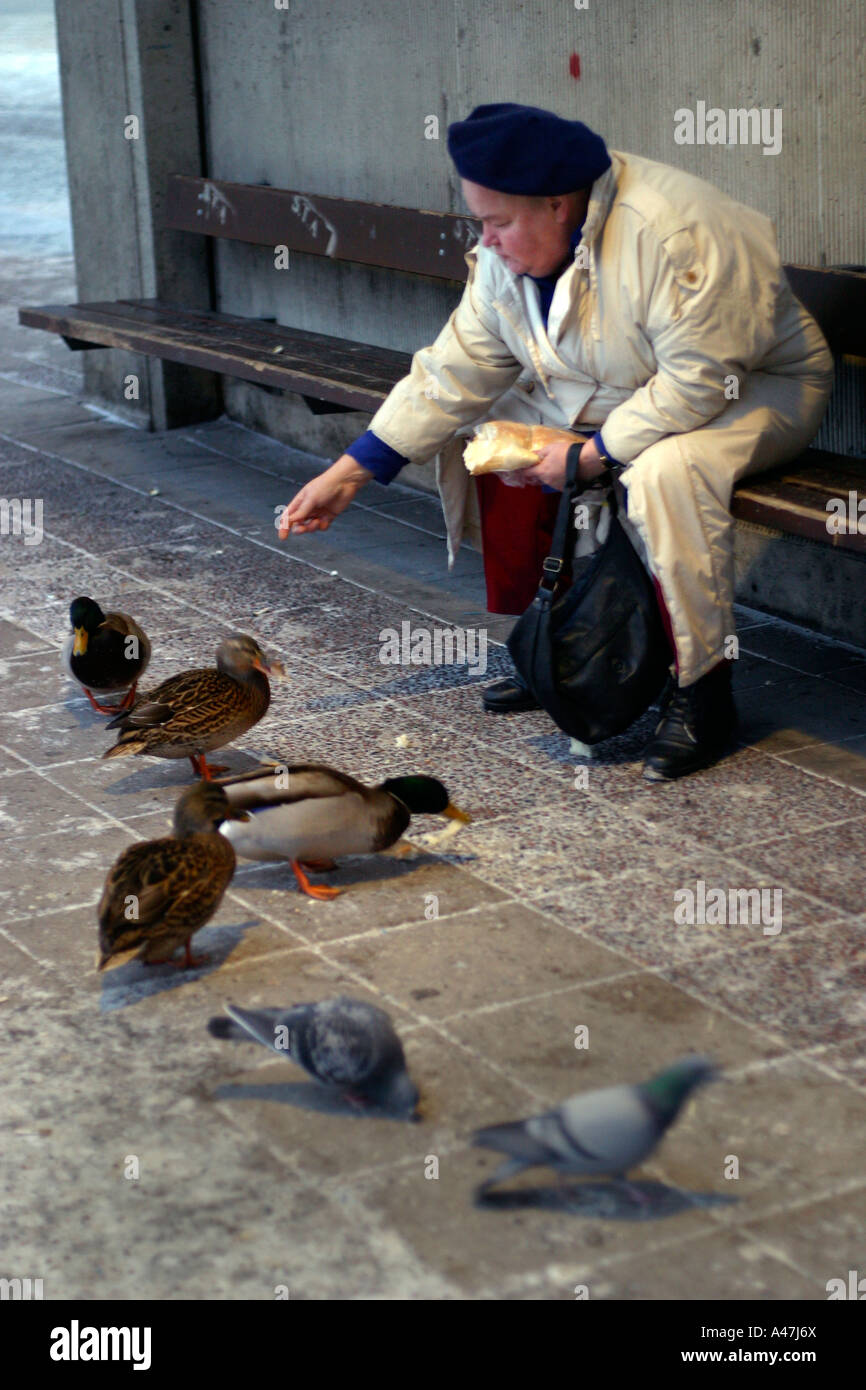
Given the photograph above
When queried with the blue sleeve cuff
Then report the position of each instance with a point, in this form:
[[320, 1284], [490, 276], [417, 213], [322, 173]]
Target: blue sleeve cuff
[[600, 445], [373, 453]]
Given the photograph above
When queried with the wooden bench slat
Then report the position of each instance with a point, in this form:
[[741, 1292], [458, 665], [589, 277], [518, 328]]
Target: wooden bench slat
[[395, 238], [794, 498], [250, 331], [775, 513], [430, 243], [836, 299], [357, 363], [310, 364], [237, 333]]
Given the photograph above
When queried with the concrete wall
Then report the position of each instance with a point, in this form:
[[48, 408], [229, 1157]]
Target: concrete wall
[[332, 97], [120, 58]]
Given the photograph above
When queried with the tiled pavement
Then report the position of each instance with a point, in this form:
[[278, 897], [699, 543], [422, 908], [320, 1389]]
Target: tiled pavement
[[555, 909]]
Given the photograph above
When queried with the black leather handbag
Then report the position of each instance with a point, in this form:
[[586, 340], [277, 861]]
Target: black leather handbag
[[594, 656]]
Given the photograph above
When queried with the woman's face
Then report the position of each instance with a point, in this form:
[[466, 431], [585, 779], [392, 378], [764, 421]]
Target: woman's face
[[532, 236]]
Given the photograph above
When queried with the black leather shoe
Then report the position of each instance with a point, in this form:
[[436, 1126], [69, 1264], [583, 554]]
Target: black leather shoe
[[697, 724], [508, 696]]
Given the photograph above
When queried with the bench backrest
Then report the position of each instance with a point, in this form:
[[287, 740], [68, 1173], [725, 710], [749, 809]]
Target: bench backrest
[[431, 243]]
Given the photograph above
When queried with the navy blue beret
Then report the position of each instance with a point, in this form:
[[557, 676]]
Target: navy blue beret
[[522, 149]]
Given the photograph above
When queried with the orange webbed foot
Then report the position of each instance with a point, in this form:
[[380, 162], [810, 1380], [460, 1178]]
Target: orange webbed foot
[[103, 709], [313, 890], [202, 769]]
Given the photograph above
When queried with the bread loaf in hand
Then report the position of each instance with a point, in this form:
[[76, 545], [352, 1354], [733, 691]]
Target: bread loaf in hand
[[503, 446]]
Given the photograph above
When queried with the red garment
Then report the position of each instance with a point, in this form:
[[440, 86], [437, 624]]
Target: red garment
[[666, 622], [516, 531]]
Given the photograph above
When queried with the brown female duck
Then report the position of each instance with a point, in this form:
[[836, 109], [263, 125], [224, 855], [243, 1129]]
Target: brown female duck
[[160, 892], [192, 713]]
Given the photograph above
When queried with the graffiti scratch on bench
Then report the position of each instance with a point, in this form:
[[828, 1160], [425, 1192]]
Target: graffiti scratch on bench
[[312, 219], [214, 203]]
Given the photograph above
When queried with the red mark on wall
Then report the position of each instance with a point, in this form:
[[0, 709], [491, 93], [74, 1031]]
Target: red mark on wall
[[574, 65]]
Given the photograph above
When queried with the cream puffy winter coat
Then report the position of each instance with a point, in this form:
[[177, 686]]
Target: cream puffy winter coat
[[674, 328]]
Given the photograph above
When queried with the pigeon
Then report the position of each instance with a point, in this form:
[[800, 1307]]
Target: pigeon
[[346, 1044], [604, 1132]]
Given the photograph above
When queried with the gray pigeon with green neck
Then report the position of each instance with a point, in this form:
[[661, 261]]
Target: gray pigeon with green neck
[[604, 1133]]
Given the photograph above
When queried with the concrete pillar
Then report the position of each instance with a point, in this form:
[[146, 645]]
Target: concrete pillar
[[122, 59]]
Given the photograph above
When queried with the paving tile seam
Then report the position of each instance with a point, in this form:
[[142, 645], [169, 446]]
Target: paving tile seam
[[382, 1235], [591, 1265], [44, 771], [81, 701], [521, 894], [339, 1182], [358, 1217], [373, 933], [525, 756], [50, 649], [13, 941], [55, 645], [502, 1004], [144, 584], [657, 827], [792, 748], [163, 501], [789, 665], [17, 378], [839, 741], [299, 483], [773, 1251], [263, 915], [133, 816], [321, 950], [70, 762], [836, 781], [826, 1068], [10, 752], [724, 1217], [773, 755], [226, 1109], [410, 494], [726, 1223], [208, 521], [820, 639], [27, 916], [821, 826], [697, 847], [780, 755], [641, 970], [717, 1007]]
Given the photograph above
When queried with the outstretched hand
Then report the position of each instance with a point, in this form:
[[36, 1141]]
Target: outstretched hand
[[321, 500]]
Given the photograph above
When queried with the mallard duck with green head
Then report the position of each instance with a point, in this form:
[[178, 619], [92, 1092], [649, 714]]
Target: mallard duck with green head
[[311, 815], [160, 892], [193, 713], [105, 653]]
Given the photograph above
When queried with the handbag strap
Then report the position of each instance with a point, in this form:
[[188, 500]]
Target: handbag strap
[[563, 531]]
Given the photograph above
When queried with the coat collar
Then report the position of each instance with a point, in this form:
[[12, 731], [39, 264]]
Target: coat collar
[[601, 198]]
